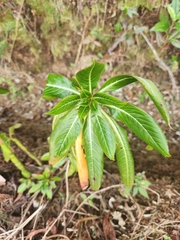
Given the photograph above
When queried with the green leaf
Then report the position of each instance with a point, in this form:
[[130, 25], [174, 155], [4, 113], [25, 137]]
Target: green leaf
[[177, 27], [45, 157], [161, 27], [64, 134], [49, 193], [108, 100], [156, 97], [163, 16], [95, 108], [56, 179], [105, 136], [94, 154], [124, 156], [143, 192], [175, 5], [36, 187], [38, 176], [83, 109], [145, 183], [3, 90], [52, 184], [44, 188], [164, 24], [65, 104], [5, 146], [59, 163], [143, 125], [23, 186], [178, 16], [135, 191], [171, 12], [88, 78], [175, 42], [123, 80], [85, 94], [116, 82], [149, 148], [117, 27], [46, 173], [57, 86]]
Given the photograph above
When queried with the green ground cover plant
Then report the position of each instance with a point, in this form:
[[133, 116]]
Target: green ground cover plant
[[169, 23], [88, 123]]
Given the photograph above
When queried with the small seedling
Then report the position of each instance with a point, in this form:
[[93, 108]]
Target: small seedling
[[86, 123], [44, 182], [140, 185]]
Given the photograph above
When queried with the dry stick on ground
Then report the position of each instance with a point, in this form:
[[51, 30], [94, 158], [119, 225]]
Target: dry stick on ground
[[94, 193], [164, 66], [15, 231], [67, 194], [105, 11], [81, 43], [80, 206], [19, 226], [18, 17]]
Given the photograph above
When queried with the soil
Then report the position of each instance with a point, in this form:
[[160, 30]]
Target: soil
[[72, 214], [111, 215]]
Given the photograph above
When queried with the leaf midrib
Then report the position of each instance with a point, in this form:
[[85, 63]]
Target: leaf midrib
[[73, 123], [110, 85], [102, 133], [65, 88], [121, 141], [138, 124]]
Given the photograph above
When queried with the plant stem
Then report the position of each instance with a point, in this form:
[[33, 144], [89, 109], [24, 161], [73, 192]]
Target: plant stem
[[14, 159], [20, 145]]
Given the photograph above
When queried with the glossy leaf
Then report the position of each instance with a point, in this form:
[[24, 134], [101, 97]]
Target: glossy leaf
[[57, 86], [83, 109], [155, 96], [143, 125], [94, 154], [116, 82], [105, 136], [124, 157], [88, 78], [64, 134], [65, 104], [149, 86], [108, 100]]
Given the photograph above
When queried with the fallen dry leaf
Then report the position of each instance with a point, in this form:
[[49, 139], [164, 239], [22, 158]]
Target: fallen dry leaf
[[108, 229], [175, 235]]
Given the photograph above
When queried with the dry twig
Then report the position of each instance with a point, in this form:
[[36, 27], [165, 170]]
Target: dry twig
[[163, 65]]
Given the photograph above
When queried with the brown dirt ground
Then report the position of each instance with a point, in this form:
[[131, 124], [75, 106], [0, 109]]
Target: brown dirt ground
[[111, 214], [67, 215]]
